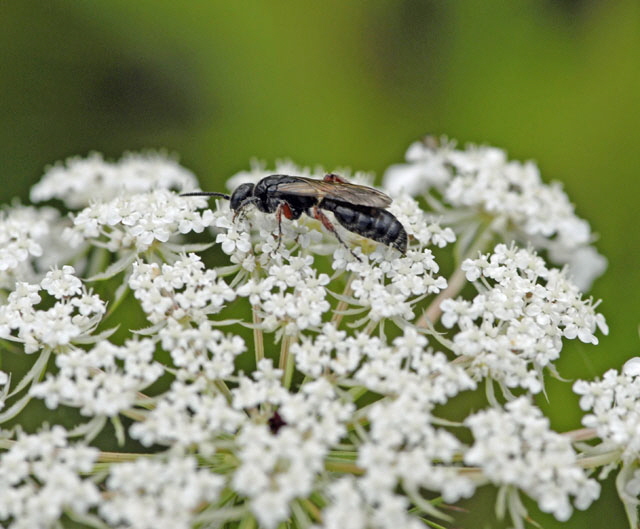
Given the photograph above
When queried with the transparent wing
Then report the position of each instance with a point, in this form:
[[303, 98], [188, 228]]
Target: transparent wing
[[342, 191]]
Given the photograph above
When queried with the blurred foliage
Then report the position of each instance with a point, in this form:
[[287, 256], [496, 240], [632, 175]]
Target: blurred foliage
[[347, 84]]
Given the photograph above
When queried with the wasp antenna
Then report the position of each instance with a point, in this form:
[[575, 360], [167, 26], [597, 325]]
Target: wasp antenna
[[206, 194]]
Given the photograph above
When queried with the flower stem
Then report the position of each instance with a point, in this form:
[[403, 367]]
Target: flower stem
[[119, 457], [258, 340], [582, 434], [343, 467], [311, 508], [286, 362], [599, 460], [342, 305], [224, 389]]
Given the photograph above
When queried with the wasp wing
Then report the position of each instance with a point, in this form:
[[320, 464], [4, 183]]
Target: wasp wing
[[341, 191]]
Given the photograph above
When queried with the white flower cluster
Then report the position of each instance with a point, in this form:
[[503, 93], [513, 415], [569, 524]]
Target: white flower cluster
[[175, 298], [40, 480], [292, 296], [30, 242], [515, 447], [201, 350], [481, 180], [322, 409], [405, 449], [333, 351], [153, 494], [81, 181], [189, 414], [73, 317], [614, 403], [183, 290], [411, 367], [103, 381], [136, 222], [388, 287], [281, 462], [402, 447], [367, 361], [349, 507], [21, 229], [514, 328]]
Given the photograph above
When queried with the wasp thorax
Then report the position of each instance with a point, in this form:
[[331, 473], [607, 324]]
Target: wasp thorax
[[240, 194]]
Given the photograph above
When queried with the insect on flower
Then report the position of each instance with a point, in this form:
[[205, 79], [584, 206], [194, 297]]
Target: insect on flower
[[359, 209]]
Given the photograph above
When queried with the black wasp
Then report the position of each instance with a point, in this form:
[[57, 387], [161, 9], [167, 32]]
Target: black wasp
[[357, 208]]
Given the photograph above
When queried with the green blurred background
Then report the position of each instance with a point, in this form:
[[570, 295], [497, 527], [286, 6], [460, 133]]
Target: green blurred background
[[348, 84]]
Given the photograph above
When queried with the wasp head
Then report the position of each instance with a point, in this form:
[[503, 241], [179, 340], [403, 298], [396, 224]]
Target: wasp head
[[240, 195]]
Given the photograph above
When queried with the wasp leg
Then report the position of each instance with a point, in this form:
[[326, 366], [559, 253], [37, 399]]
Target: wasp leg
[[331, 177], [317, 214], [283, 209]]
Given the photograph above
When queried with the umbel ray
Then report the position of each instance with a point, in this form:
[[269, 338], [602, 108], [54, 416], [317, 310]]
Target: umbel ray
[[359, 209]]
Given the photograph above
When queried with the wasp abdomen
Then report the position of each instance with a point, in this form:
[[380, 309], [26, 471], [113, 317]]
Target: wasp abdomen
[[374, 223]]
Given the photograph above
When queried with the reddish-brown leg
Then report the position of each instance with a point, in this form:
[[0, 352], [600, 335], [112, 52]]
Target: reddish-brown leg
[[283, 209], [317, 214], [331, 177]]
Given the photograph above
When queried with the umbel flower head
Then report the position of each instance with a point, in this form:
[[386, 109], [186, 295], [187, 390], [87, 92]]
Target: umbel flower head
[[263, 372]]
